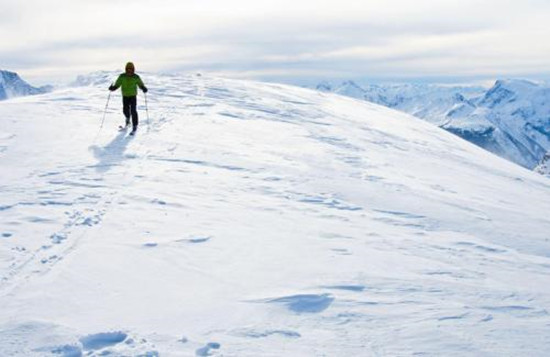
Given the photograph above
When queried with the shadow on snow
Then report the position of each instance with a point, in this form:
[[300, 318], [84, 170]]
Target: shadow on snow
[[112, 154]]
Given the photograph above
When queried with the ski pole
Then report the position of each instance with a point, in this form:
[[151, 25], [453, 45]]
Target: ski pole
[[105, 111], [104, 114], [147, 111]]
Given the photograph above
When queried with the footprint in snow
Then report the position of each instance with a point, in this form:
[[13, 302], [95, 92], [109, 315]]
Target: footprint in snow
[[206, 350], [103, 339], [67, 351], [89, 221], [58, 238], [50, 259]]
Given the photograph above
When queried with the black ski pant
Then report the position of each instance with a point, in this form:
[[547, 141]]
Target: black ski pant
[[129, 107]]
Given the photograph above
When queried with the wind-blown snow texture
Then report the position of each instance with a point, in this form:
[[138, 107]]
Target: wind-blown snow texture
[[11, 85], [511, 119], [253, 219]]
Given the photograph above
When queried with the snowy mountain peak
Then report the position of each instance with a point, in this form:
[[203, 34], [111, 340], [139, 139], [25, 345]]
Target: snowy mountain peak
[[350, 83], [499, 93], [11, 85], [350, 89], [509, 90], [324, 87], [8, 76]]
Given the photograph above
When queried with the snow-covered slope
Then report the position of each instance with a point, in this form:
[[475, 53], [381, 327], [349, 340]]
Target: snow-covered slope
[[511, 119], [11, 85], [250, 219]]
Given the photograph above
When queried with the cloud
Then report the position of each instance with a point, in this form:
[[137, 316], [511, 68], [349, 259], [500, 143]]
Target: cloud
[[286, 38]]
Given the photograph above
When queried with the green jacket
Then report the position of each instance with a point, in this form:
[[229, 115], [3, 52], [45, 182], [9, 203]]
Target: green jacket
[[129, 84]]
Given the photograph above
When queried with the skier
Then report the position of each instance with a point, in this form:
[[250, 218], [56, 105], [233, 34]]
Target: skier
[[129, 81]]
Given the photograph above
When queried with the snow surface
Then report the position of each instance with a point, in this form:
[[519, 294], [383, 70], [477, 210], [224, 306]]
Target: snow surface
[[250, 219]]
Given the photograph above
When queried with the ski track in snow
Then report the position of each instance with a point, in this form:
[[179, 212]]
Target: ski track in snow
[[261, 220]]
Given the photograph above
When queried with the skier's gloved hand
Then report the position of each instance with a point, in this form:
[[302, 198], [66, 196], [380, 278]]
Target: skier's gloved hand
[[112, 88], [144, 89]]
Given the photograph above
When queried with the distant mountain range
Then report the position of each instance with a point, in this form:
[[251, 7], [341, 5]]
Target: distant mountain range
[[511, 119], [11, 85]]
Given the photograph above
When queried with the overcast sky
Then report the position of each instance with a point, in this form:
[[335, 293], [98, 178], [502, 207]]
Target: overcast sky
[[280, 40]]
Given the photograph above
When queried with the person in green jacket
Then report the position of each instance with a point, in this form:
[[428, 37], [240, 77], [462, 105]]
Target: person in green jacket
[[128, 82]]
